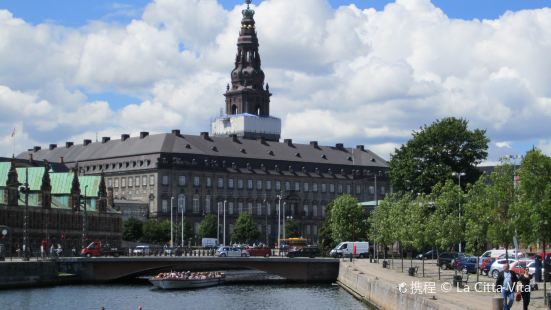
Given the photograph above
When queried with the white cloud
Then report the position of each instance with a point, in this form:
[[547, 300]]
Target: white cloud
[[341, 74]]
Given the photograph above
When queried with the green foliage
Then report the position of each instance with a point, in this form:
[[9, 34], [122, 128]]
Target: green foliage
[[326, 239], [245, 229], [435, 152], [133, 230], [347, 219], [477, 217], [208, 228], [155, 231], [292, 229], [501, 199], [188, 232], [444, 222]]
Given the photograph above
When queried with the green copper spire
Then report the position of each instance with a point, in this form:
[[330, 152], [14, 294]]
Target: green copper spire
[[248, 13]]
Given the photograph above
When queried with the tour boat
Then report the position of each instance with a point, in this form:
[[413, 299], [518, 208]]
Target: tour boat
[[175, 281]]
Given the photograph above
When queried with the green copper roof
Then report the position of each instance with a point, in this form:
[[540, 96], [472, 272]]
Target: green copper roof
[[35, 175]]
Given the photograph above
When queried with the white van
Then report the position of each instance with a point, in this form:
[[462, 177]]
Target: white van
[[499, 253], [347, 247]]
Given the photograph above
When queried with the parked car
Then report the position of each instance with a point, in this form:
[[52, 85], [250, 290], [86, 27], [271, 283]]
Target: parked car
[[226, 251], [142, 250], [466, 264], [259, 251], [486, 264], [432, 254], [445, 259], [497, 266], [309, 251]]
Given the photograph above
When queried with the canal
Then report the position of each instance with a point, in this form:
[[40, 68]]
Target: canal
[[131, 296]]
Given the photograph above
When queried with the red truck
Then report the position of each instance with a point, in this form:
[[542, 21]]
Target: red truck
[[95, 248], [259, 251]]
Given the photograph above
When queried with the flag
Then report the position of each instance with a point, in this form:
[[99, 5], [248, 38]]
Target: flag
[[13, 133]]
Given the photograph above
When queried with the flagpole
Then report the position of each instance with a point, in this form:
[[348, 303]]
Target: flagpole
[[13, 140]]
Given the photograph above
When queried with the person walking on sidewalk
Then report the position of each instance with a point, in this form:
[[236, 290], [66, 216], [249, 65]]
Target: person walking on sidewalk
[[525, 288], [506, 283]]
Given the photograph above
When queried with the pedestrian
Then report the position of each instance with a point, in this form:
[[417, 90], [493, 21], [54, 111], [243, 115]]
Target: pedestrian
[[525, 288], [537, 265], [506, 284]]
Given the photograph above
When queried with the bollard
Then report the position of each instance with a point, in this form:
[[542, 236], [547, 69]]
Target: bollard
[[497, 303]]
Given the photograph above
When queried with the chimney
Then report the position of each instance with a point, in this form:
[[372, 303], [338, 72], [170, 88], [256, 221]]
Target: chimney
[[144, 134], [339, 146], [105, 139], [68, 144], [61, 159], [289, 142], [205, 135], [314, 144], [37, 148], [176, 132], [125, 137], [360, 147], [234, 138], [87, 141], [262, 140], [52, 146], [30, 157]]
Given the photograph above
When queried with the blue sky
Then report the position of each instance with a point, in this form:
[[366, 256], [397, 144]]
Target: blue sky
[[77, 12], [350, 76]]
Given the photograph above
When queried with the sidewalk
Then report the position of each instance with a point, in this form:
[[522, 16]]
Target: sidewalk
[[441, 293]]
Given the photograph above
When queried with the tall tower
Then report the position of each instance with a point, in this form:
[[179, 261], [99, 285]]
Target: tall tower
[[248, 99]]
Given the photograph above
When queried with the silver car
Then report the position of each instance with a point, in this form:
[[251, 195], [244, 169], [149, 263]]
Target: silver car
[[226, 251], [497, 267]]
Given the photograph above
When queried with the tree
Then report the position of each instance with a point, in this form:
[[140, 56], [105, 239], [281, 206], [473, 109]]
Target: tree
[[245, 229], [444, 222], [155, 231], [133, 230], [348, 219], [477, 217], [326, 240], [291, 229], [208, 228], [435, 152]]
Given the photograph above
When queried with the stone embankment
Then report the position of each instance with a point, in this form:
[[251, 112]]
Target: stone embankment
[[28, 274]]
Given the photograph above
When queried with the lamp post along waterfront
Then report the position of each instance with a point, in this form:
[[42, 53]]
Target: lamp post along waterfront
[[218, 223], [25, 190], [224, 224], [459, 175], [171, 222], [183, 220]]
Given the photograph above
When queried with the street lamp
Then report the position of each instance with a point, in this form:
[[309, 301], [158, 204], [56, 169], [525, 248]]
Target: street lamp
[[218, 223], [171, 223], [25, 190], [84, 224], [279, 222], [224, 232], [459, 175]]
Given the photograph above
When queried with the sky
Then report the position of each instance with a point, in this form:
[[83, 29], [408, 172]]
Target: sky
[[351, 71]]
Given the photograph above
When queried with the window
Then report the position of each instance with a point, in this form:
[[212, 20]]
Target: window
[[332, 188], [144, 180], [240, 183], [358, 189], [314, 187], [372, 190], [259, 208], [268, 185], [268, 209], [220, 182], [250, 208], [240, 207], [315, 230], [297, 186], [182, 180], [323, 187], [165, 180], [207, 204], [116, 182], [130, 181], [306, 187], [305, 210], [230, 208], [382, 190], [269, 229], [137, 181], [164, 206], [181, 203], [109, 182], [278, 185], [230, 183], [348, 189], [249, 184], [339, 187], [195, 204], [196, 228], [231, 229], [209, 182], [287, 186], [123, 182], [323, 211], [151, 180], [315, 211], [196, 181], [258, 185], [307, 229]]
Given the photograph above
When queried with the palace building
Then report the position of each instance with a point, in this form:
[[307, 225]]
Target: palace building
[[242, 164]]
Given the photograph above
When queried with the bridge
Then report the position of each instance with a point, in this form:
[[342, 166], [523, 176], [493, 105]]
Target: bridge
[[106, 269]]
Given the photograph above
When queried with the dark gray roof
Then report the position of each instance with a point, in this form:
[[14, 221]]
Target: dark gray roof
[[211, 146]]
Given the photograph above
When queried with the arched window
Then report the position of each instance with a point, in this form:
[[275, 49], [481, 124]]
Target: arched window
[[233, 109], [258, 110]]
